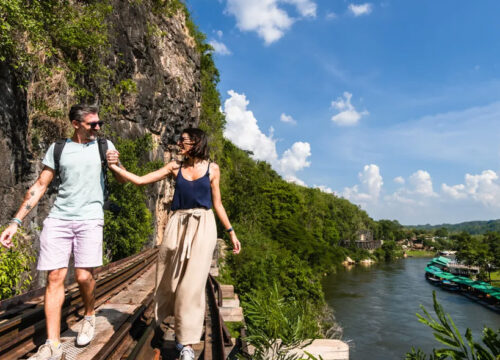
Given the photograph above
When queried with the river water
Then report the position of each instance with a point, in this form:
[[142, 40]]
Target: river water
[[376, 307]]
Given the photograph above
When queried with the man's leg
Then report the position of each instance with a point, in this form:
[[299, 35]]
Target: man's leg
[[54, 298], [87, 249], [86, 281]]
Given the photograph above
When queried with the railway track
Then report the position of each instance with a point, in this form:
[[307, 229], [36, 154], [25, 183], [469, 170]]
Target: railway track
[[22, 320]]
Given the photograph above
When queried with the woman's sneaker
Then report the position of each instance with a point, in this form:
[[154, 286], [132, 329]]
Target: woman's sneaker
[[187, 353], [48, 352], [86, 333], [178, 345]]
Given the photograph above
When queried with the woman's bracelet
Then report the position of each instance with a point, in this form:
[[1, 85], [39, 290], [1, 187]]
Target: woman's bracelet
[[229, 230], [17, 221]]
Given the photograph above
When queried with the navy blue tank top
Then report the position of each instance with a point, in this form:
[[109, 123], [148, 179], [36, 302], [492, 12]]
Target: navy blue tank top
[[190, 194]]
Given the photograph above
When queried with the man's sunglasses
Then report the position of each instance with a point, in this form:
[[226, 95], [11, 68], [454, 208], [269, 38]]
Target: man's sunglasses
[[94, 124]]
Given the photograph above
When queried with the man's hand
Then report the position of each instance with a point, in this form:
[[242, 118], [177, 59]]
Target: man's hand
[[8, 233], [112, 157]]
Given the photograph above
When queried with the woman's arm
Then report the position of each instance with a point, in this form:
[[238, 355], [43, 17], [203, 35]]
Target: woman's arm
[[219, 208], [152, 177]]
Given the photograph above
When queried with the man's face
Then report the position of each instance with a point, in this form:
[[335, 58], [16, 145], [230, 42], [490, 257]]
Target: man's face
[[89, 127]]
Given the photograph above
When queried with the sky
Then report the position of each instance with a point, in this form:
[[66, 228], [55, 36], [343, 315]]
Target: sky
[[394, 105]]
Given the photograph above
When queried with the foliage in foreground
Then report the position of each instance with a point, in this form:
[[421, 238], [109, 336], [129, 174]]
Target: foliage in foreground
[[277, 325], [456, 348], [15, 265]]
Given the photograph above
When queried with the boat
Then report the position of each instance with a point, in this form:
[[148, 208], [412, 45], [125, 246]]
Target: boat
[[449, 285], [437, 273]]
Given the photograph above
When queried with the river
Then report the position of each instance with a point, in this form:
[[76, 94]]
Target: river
[[376, 307]]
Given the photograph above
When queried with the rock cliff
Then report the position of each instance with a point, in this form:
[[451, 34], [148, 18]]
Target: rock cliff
[[145, 75]]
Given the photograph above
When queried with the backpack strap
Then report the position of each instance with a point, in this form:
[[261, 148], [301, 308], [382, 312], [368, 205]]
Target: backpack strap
[[58, 149], [103, 147]]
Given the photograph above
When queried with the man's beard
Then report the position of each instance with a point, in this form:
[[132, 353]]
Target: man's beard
[[91, 136]]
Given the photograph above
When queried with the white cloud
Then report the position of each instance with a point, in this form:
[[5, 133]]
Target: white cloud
[[324, 188], [399, 180], [287, 119], [266, 17], [306, 8], [422, 183], [455, 191], [483, 188], [219, 33], [219, 47], [243, 130], [369, 188], [295, 180], [331, 15], [295, 158], [361, 9], [348, 115], [417, 191]]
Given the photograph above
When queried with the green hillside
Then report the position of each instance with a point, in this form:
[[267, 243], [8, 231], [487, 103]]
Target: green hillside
[[471, 227]]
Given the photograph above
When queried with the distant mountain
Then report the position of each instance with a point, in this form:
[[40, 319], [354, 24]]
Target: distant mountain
[[472, 227]]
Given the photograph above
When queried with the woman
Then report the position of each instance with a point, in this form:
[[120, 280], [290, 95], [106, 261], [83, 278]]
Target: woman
[[190, 236]]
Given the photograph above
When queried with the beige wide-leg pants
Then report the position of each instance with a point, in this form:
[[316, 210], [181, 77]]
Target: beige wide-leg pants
[[184, 261]]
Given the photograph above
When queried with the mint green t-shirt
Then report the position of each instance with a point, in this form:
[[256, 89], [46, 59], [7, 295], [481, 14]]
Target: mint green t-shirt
[[80, 195]]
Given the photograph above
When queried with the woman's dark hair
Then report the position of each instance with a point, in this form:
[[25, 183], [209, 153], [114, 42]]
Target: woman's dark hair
[[200, 148]]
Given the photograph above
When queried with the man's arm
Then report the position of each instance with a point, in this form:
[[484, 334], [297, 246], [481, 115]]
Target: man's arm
[[31, 199]]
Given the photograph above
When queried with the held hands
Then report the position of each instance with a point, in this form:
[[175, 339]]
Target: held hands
[[113, 157], [7, 234], [236, 243]]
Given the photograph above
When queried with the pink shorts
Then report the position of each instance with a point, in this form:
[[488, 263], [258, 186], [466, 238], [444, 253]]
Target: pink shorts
[[59, 238]]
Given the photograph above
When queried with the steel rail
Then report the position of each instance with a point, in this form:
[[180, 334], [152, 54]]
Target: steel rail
[[119, 336], [21, 333]]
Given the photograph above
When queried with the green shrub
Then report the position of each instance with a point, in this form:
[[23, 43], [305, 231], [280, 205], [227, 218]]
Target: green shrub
[[125, 233], [276, 324], [15, 265]]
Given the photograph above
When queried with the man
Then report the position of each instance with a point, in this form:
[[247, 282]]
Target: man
[[74, 224]]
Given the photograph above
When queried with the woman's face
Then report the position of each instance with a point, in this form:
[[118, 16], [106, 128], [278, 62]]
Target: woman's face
[[185, 144]]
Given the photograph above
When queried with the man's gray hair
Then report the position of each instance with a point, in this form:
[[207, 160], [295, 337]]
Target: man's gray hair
[[79, 111]]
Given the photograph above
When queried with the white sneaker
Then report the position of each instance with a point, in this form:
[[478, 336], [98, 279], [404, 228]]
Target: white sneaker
[[86, 333], [187, 353], [48, 352]]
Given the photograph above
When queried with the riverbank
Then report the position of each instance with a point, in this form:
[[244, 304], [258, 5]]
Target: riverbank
[[420, 253], [495, 278]]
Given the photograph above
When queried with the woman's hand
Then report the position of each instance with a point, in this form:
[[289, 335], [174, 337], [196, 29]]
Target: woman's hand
[[236, 243]]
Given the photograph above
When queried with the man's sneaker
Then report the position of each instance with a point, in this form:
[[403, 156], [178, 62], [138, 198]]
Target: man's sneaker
[[48, 352], [86, 333], [187, 353]]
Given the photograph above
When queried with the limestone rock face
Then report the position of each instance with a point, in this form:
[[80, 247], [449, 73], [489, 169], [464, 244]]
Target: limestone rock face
[[152, 50]]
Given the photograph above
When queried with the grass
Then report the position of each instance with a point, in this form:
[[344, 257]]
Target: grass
[[495, 278], [420, 253]]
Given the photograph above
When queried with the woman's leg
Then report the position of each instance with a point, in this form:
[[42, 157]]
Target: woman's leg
[[190, 293]]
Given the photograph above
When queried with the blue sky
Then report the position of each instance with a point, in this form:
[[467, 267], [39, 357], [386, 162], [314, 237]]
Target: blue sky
[[394, 105]]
